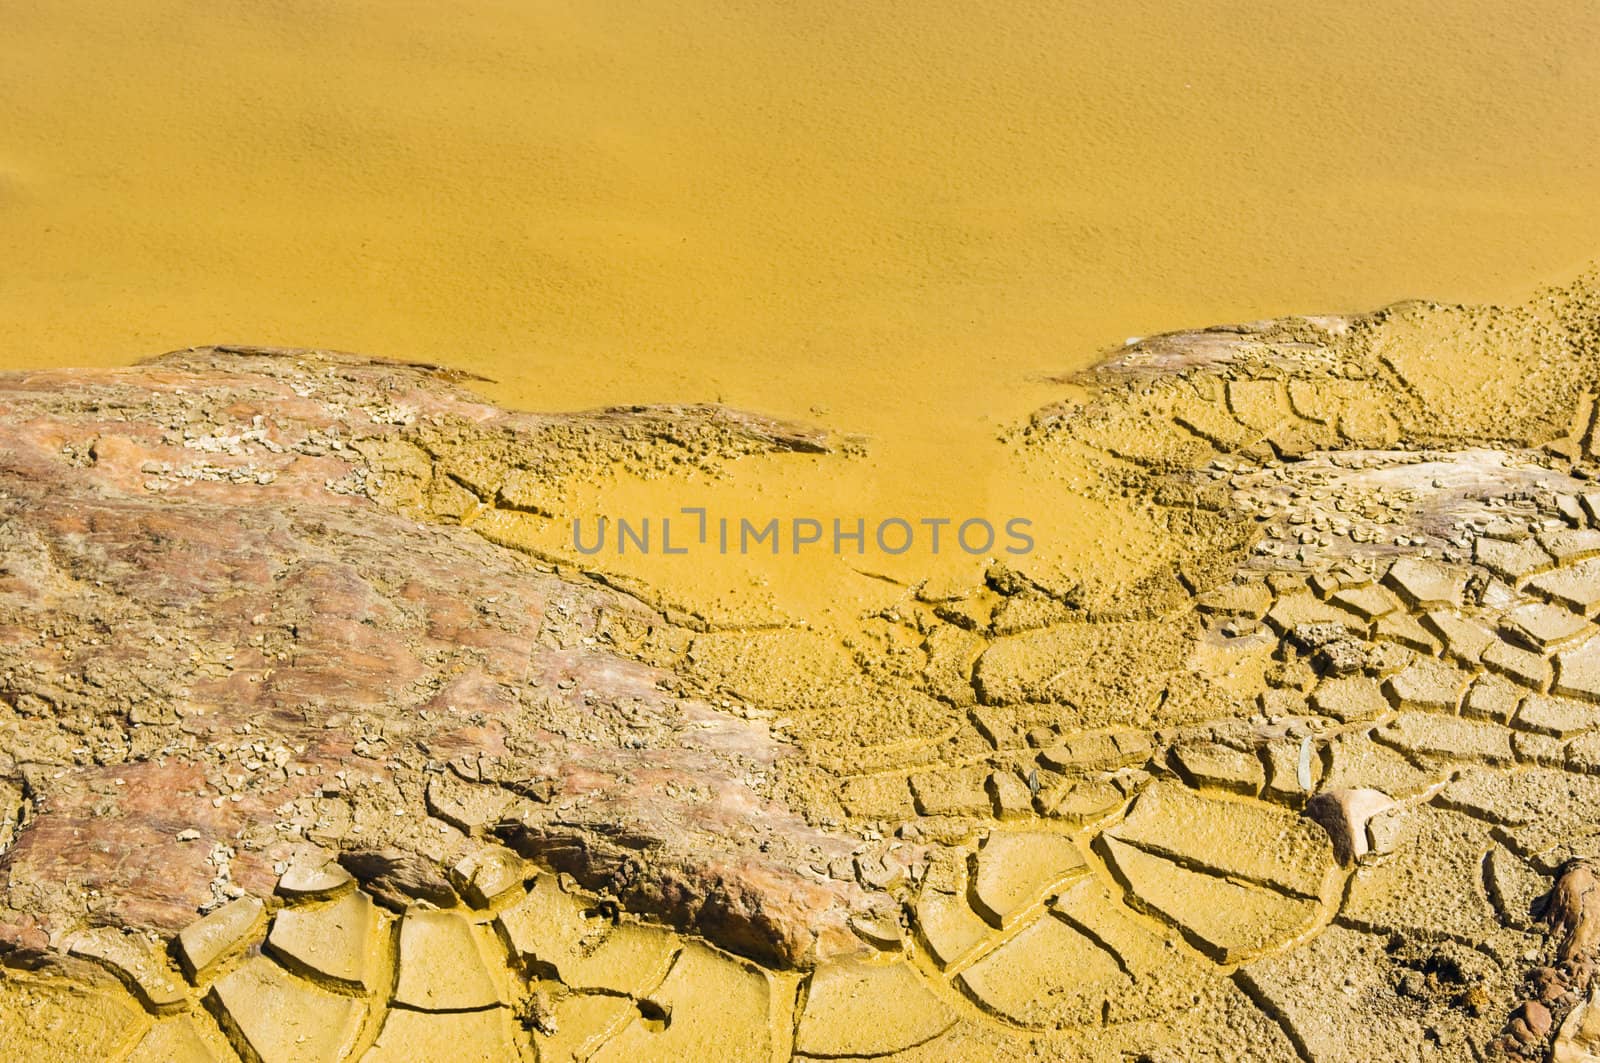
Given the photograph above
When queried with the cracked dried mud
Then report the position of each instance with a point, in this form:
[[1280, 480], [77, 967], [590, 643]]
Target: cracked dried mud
[[316, 744]]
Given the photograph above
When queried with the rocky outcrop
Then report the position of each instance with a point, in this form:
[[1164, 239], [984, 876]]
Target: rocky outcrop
[[218, 655]]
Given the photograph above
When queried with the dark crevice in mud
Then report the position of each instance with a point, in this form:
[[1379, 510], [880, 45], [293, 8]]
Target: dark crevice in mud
[[1258, 996]]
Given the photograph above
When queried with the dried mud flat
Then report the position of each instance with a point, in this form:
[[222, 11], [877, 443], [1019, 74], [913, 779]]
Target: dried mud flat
[[304, 755]]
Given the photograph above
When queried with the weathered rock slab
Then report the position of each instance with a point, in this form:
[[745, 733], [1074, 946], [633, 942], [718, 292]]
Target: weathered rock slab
[[243, 674]]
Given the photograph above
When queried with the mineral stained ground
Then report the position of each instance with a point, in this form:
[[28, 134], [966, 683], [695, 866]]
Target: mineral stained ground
[[307, 753]]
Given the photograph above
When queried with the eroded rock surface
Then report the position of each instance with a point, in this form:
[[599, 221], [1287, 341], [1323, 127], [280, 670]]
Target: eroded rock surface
[[218, 657]]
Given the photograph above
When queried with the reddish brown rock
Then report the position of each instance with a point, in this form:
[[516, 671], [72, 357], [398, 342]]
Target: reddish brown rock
[[1536, 1017], [219, 655], [1573, 911]]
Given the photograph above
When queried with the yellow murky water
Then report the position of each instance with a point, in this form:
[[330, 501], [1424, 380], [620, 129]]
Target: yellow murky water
[[896, 218]]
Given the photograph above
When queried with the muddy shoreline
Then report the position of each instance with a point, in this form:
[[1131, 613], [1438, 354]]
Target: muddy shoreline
[[299, 715]]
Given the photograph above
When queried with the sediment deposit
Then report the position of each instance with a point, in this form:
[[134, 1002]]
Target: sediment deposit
[[311, 748]]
